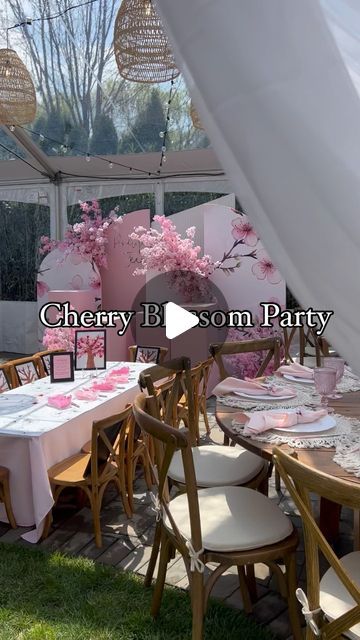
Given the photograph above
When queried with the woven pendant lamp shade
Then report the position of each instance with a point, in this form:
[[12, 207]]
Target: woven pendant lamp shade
[[17, 91], [142, 50], [195, 118]]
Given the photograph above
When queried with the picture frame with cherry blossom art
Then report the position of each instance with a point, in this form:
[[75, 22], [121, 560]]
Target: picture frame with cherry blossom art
[[90, 349], [147, 354]]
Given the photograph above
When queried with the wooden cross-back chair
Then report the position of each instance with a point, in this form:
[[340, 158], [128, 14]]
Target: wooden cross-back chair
[[179, 393], [214, 465], [228, 526], [306, 339], [23, 371], [332, 604], [92, 472], [271, 347], [158, 357], [5, 380]]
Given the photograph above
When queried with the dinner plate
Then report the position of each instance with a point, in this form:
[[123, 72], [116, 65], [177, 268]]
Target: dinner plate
[[14, 402], [324, 424], [296, 379], [264, 397]]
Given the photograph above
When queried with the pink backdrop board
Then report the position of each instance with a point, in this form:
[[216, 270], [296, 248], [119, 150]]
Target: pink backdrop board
[[243, 278], [81, 300], [119, 286], [70, 276]]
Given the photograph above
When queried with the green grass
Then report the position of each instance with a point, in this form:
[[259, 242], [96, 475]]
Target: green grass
[[56, 597]]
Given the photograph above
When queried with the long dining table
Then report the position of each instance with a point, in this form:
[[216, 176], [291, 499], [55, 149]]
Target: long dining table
[[36, 436], [318, 458]]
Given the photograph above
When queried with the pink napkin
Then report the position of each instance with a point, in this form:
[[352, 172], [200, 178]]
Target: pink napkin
[[103, 386], [117, 378], [120, 372], [86, 394], [59, 401], [263, 420], [297, 370], [233, 385]]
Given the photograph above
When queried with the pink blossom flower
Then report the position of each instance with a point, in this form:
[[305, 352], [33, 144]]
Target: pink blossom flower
[[167, 251], [88, 238], [264, 268], [243, 230], [41, 288]]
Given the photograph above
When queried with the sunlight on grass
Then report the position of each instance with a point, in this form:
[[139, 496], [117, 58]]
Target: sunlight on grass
[[55, 597]]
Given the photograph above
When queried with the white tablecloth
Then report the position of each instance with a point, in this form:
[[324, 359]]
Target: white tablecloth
[[34, 439]]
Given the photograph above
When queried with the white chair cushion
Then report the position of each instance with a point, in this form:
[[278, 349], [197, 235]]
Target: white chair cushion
[[334, 598], [217, 466], [232, 519]]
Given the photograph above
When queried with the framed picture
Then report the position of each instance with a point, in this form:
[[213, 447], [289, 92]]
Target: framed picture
[[62, 366], [147, 354], [46, 360], [90, 349]]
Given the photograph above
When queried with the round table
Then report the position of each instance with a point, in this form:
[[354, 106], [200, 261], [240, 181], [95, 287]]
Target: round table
[[320, 459]]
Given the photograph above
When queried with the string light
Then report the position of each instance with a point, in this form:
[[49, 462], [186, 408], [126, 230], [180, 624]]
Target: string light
[[164, 134], [12, 128], [66, 147]]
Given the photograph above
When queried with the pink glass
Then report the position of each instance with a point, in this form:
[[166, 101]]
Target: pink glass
[[325, 383], [338, 364]]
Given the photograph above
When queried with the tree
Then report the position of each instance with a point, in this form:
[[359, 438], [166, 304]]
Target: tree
[[71, 56], [104, 139], [147, 126]]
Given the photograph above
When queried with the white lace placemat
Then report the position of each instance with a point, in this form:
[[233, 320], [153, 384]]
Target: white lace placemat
[[343, 433], [303, 398], [348, 454], [349, 382]]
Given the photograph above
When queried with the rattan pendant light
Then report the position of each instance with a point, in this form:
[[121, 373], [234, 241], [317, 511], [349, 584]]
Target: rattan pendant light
[[17, 91], [142, 50], [195, 118]]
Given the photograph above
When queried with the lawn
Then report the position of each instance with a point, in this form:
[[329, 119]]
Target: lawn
[[56, 597]]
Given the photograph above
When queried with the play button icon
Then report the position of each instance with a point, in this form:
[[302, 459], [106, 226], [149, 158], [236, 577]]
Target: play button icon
[[178, 320]]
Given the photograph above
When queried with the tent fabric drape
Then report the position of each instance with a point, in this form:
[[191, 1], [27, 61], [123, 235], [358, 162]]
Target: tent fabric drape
[[283, 115]]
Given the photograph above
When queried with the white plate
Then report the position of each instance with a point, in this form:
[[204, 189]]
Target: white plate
[[264, 397], [295, 379], [324, 424]]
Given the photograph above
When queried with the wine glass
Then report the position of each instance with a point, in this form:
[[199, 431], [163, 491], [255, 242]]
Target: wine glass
[[338, 364], [325, 383]]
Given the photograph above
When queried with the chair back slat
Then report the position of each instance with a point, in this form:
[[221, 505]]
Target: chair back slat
[[271, 347], [4, 378], [107, 443], [23, 371], [303, 338], [301, 481]]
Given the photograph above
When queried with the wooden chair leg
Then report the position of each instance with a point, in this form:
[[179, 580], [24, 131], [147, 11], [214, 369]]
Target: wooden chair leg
[[244, 588], [95, 508], [161, 575], [277, 481], [251, 582], [206, 419], [154, 555], [291, 580], [7, 503], [121, 484], [197, 605], [356, 529], [129, 472], [47, 525]]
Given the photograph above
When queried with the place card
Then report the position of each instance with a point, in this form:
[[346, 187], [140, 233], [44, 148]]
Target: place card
[[62, 367]]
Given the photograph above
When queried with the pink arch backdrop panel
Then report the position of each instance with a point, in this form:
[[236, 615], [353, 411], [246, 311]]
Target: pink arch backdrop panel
[[119, 286], [70, 279]]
